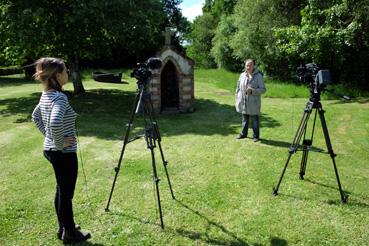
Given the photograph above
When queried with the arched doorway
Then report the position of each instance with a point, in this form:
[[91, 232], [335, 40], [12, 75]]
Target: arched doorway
[[169, 88]]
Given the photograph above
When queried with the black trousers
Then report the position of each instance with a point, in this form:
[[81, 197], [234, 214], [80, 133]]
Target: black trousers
[[66, 169]]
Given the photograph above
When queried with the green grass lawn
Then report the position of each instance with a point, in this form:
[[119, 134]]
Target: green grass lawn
[[223, 186]]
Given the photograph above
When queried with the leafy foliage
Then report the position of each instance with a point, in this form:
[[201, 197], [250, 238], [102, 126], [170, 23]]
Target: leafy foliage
[[222, 51], [332, 34], [201, 40], [329, 33], [204, 30], [76, 30], [86, 28], [254, 22]]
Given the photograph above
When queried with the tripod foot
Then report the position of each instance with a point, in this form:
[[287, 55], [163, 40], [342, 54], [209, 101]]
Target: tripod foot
[[107, 210], [344, 199], [302, 176], [275, 192]]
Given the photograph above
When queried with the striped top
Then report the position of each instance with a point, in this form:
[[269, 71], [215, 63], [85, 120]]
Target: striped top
[[55, 119]]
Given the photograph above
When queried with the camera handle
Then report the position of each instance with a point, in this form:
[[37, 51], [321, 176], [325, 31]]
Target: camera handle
[[338, 94]]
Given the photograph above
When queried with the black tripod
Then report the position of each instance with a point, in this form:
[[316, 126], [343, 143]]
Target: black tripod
[[152, 136], [313, 103]]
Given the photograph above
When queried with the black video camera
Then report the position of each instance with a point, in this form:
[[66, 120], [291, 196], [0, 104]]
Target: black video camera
[[312, 75], [142, 71], [316, 79]]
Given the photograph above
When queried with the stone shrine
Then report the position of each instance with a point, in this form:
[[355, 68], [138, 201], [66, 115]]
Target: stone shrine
[[172, 86]]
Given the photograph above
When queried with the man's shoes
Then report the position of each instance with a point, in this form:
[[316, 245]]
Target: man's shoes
[[241, 136], [75, 236], [255, 139], [60, 231]]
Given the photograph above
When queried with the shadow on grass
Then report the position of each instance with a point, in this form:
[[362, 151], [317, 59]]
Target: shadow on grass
[[324, 185], [350, 202], [203, 236], [275, 143], [353, 100], [197, 236], [86, 243], [22, 106], [287, 145], [336, 202], [275, 241], [103, 113], [15, 80]]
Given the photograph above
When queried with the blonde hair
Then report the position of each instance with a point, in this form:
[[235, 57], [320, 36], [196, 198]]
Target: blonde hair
[[46, 71]]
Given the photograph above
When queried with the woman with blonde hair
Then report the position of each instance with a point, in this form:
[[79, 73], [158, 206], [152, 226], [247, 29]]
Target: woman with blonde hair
[[55, 119]]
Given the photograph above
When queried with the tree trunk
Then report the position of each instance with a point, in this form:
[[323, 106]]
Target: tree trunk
[[76, 76]]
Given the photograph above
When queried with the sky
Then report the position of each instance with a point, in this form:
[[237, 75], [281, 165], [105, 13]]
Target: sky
[[191, 8]]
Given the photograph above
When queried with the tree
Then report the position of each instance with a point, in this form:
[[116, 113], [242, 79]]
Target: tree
[[254, 24], [200, 39], [221, 50], [333, 34], [176, 20], [283, 34], [245, 29], [204, 30], [76, 29]]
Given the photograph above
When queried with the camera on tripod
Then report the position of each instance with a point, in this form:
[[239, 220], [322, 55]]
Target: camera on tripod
[[142, 71], [312, 75], [317, 80], [151, 129]]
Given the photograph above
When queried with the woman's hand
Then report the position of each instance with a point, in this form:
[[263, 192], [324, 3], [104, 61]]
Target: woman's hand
[[69, 141]]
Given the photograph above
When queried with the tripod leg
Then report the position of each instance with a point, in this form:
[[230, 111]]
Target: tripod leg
[[307, 143], [330, 151], [295, 143], [150, 144], [157, 136], [305, 154], [126, 137], [275, 190], [165, 163]]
